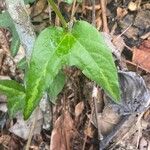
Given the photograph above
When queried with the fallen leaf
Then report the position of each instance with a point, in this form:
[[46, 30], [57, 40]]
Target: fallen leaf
[[121, 12], [22, 128], [62, 133], [141, 55], [89, 131], [133, 6], [143, 144], [106, 120], [145, 46], [79, 109], [39, 7]]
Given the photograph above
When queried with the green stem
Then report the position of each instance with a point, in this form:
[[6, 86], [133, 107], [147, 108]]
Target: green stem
[[57, 11]]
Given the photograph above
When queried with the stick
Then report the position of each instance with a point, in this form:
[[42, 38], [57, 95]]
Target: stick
[[93, 12], [104, 18]]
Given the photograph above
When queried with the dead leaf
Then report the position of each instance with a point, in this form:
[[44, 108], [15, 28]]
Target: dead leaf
[[62, 133], [89, 131], [145, 46], [5, 139], [79, 109], [1, 57], [4, 42], [20, 55], [118, 42], [3, 107], [22, 128], [141, 56], [121, 12], [132, 6], [39, 7], [143, 144]]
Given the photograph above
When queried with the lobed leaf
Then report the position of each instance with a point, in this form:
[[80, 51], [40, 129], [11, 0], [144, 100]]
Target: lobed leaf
[[83, 47]]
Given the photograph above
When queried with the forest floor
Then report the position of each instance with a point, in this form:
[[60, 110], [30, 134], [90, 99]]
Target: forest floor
[[77, 121]]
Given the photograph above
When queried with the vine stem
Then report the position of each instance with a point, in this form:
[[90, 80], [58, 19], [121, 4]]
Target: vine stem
[[57, 11]]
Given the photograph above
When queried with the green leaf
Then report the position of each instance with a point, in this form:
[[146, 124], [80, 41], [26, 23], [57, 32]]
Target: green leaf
[[68, 1], [71, 1], [56, 86], [7, 22], [15, 94], [22, 64], [10, 87], [46, 61], [94, 58], [29, 1], [16, 104], [83, 47]]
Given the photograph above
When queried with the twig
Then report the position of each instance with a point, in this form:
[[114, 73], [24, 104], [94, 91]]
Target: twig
[[57, 20], [124, 31], [32, 129], [138, 124], [104, 18], [73, 10], [94, 96], [64, 24], [50, 15], [95, 89], [90, 120], [93, 12]]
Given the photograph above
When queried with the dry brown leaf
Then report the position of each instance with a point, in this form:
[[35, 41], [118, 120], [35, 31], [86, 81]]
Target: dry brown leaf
[[1, 57], [145, 46], [141, 56], [4, 41], [147, 115], [118, 42], [79, 109], [121, 12], [89, 131], [62, 133], [39, 7], [107, 120], [133, 6], [5, 139]]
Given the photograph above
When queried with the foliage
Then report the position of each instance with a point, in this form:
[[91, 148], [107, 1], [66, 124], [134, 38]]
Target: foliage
[[71, 1], [56, 87], [15, 93], [83, 47], [7, 22], [29, 1]]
